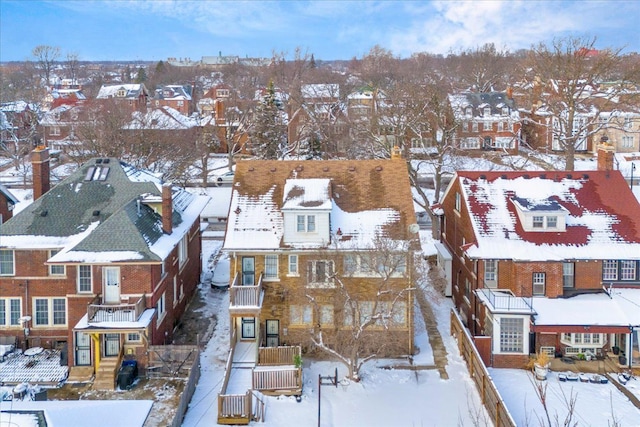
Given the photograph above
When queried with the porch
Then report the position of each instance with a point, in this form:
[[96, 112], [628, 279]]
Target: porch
[[128, 311], [252, 372], [245, 300]]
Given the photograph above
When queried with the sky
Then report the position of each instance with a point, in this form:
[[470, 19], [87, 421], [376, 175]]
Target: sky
[[153, 30]]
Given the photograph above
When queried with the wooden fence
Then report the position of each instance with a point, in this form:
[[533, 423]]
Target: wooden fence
[[171, 360], [187, 394], [489, 394], [277, 380], [274, 356]]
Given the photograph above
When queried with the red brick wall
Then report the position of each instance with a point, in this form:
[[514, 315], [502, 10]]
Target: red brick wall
[[515, 361]]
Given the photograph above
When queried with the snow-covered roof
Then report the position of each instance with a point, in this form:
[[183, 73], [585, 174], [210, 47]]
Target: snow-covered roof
[[602, 215], [165, 118], [98, 215], [320, 90], [365, 199], [131, 90]]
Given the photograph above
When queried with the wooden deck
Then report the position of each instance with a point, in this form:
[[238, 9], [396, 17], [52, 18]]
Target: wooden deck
[[245, 300]]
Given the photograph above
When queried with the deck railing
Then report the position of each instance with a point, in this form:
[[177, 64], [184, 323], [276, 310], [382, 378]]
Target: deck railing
[[280, 379], [97, 311], [278, 355], [245, 296], [234, 405]]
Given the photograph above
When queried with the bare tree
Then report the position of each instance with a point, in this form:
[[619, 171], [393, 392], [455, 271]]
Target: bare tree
[[568, 75], [46, 57], [72, 64], [483, 69], [370, 314]]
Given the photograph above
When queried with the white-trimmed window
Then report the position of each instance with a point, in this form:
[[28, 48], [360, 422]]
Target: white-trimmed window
[[161, 307], [465, 126], [7, 264], [183, 250], [609, 270], [500, 126], [552, 221], [539, 282], [54, 131], [399, 314], [487, 126], [293, 265], [133, 337], [84, 278], [320, 273], [627, 141], [474, 126], [511, 335], [180, 103], [175, 290], [306, 223], [56, 270], [10, 311], [568, 274], [49, 311], [490, 273], [326, 315], [270, 267], [300, 315], [627, 270], [628, 124], [538, 221]]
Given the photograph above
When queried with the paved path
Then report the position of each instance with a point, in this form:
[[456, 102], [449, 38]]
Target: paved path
[[435, 339]]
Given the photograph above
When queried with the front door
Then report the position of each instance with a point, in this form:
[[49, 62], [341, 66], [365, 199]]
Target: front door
[[111, 345], [83, 349], [111, 285], [273, 327], [248, 328], [248, 271]]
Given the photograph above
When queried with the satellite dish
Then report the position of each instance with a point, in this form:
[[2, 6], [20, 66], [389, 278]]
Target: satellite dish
[[413, 228]]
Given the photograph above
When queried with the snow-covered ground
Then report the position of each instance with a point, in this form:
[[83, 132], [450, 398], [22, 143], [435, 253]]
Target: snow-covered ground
[[595, 404]]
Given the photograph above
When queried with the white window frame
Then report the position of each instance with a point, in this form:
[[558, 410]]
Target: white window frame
[[627, 270], [271, 267], [537, 221], [5, 262], [81, 280], [175, 290], [511, 335], [457, 202], [312, 269], [566, 277], [474, 127], [300, 315], [325, 314], [609, 269], [51, 312], [491, 273], [134, 337], [293, 265], [627, 141], [539, 283], [552, 221], [56, 269], [11, 316], [306, 223], [162, 308], [183, 251]]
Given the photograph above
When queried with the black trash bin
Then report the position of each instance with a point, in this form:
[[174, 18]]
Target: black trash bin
[[127, 374]]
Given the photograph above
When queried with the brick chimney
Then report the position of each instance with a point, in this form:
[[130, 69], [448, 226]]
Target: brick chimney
[[167, 209], [606, 154], [41, 176]]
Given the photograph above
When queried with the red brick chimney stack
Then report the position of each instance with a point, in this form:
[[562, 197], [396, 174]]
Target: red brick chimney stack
[[167, 209], [41, 176], [606, 155]]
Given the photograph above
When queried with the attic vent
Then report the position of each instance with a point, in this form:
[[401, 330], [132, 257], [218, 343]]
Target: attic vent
[[96, 213], [105, 161], [569, 176], [98, 161], [44, 213], [543, 175], [352, 168], [585, 176], [483, 176], [525, 176], [379, 168], [503, 176]]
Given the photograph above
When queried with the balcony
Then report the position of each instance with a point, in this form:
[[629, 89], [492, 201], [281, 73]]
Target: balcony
[[245, 300], [503, 301], [129, 311]]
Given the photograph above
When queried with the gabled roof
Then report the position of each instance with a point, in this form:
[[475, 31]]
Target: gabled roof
[[95, 216], [602, 222], [366, 198], [173, 92], [480, 100], [132, 90], [165, 118]]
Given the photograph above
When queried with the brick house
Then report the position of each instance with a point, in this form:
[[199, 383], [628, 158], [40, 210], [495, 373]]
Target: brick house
[[18, 126], [178, 97], [100, 266], [133, 95], [488, 121], [544, 261], [299, 229], [58, 127]]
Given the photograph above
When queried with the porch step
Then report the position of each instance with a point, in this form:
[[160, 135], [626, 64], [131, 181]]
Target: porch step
[[80, 374], [106, 375]]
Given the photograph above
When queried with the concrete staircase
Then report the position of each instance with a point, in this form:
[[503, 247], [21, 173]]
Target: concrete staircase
[[106, 375], [80, 374]]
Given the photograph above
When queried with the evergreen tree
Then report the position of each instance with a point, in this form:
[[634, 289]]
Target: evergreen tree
[[141, 76], [268, 135]]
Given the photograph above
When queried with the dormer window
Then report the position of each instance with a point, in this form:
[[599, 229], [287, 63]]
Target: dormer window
[[121, 93], [538, 221], [545, 215], [306, 223], [486, 111], [552, 221], [505, 111]]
